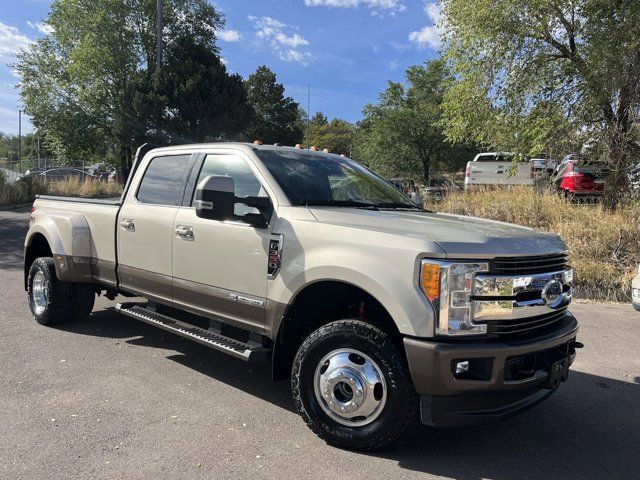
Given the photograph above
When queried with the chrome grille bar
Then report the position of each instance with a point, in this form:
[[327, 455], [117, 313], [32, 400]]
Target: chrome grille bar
[[517, 297]]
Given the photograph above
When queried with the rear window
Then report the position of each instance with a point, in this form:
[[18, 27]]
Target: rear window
[[494, 158], [163, 182]]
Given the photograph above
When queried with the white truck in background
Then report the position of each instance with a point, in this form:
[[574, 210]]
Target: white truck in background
[[497, 168]]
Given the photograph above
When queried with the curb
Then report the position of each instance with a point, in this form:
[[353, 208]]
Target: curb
[[5, 208]]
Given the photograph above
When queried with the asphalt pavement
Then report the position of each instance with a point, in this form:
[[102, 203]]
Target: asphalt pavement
[[113, 398]]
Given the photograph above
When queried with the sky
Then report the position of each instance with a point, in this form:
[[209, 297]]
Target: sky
[[345, 50]]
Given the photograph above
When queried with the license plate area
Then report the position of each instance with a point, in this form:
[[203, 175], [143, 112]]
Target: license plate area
[[555, 362], [558, 373]]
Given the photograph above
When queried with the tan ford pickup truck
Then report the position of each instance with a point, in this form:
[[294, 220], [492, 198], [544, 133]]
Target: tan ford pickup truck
[[375, 308]]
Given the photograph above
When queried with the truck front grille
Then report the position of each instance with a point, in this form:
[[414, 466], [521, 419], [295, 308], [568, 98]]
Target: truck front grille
[[524, 326], [528, 265]]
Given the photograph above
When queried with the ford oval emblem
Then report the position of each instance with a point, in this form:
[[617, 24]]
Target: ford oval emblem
[[552, 294]]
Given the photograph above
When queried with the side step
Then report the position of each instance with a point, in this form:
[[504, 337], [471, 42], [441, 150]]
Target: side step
[[249, 352]]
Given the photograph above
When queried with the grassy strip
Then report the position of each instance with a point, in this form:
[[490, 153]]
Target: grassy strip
[[25, 189], [604, 246]]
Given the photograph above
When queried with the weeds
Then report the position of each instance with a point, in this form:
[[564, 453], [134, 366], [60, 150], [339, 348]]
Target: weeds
[[25, 189]]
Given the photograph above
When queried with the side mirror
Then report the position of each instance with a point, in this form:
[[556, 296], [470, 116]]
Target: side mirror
[[215, 198]]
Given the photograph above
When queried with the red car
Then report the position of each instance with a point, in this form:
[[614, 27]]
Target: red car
[[577, 177]]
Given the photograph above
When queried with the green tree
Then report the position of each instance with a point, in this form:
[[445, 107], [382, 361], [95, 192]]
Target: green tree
[[538, 73], [276, 118], [337, 135], [401, 135], [32, 147], [198, 99], [86, 84]]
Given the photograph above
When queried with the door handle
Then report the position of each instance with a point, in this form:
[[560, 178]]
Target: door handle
[[184, 232], [128, 224]]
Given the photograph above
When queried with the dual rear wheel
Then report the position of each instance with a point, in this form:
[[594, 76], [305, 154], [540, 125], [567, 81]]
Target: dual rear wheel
[[52, 301]]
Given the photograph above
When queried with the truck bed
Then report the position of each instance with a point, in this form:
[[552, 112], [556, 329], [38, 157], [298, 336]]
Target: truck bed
[[85, 229]]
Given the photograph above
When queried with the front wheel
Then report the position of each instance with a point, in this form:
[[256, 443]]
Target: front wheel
[[351, 385]]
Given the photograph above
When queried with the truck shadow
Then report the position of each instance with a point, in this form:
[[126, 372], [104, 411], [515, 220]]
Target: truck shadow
[[253, 378], [589, 429]]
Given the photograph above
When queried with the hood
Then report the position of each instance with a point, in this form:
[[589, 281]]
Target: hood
[[457, 235]]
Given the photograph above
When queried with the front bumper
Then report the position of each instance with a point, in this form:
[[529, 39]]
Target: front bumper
[[513, 376]]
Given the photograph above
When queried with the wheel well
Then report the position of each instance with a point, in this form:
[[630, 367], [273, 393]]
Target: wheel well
[[38, 247], [317, 305]]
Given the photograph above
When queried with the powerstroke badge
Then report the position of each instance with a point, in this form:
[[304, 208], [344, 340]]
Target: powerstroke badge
[[275, 255]]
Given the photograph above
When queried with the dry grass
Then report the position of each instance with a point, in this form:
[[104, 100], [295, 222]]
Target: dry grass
[[604, 246], [22, 191], [25, 189], [73, 187]]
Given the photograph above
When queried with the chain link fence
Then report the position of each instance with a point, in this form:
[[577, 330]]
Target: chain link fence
[[14, 170]]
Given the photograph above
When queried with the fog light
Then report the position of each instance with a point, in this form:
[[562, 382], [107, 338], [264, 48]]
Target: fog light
[[462, 368]]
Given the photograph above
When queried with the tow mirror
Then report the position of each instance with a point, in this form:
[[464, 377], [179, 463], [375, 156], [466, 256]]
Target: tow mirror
[[215, 198]]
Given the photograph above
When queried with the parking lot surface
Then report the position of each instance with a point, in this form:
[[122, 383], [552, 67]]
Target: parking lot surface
[[114, 398]]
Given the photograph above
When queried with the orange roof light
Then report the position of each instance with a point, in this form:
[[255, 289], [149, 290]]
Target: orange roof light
[[257, 142], [298, 146], [314, 148]]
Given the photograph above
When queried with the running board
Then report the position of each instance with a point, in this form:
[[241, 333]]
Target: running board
[[249, 352]]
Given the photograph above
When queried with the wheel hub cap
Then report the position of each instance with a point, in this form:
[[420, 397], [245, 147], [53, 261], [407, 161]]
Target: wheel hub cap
[[350, 387], [39, 292]]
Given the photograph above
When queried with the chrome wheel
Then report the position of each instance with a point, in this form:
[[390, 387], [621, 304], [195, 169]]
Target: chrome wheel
[[39, 292], [350, 387]]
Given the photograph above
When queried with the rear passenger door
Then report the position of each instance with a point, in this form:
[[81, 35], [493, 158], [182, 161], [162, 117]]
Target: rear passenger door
[[145, 226]]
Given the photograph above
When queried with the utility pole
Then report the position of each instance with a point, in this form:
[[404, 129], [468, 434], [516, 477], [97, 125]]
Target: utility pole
[[160, 26], [19, 135]]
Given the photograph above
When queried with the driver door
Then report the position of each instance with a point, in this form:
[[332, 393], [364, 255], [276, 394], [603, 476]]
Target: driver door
[[220, 267]]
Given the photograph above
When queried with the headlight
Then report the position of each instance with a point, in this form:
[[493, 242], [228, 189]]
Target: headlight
[[447, 286]]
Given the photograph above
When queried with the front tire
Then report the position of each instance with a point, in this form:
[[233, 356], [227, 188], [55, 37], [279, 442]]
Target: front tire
[[351, 385]]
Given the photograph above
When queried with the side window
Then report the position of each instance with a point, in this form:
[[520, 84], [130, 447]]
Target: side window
[[164, 180], [234, 166]]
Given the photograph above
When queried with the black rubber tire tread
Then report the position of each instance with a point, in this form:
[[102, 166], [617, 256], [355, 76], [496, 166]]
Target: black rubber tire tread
[[399, 385], [59, 293], [82, 301]]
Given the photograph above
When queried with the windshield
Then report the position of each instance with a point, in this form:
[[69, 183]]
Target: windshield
[[321, 179]]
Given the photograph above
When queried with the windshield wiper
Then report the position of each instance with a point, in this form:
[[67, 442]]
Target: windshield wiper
[[343, 203], [400, 206]]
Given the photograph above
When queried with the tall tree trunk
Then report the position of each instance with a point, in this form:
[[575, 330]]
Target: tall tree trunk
[[426, 168], [617, 185]]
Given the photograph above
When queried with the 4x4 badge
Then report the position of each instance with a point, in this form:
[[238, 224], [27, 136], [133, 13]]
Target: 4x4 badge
[[275, 254]]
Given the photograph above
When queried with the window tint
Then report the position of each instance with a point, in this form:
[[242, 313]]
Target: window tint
[[246, 183], [163, 182]]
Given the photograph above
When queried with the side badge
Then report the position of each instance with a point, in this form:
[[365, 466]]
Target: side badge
[[275, 255]]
